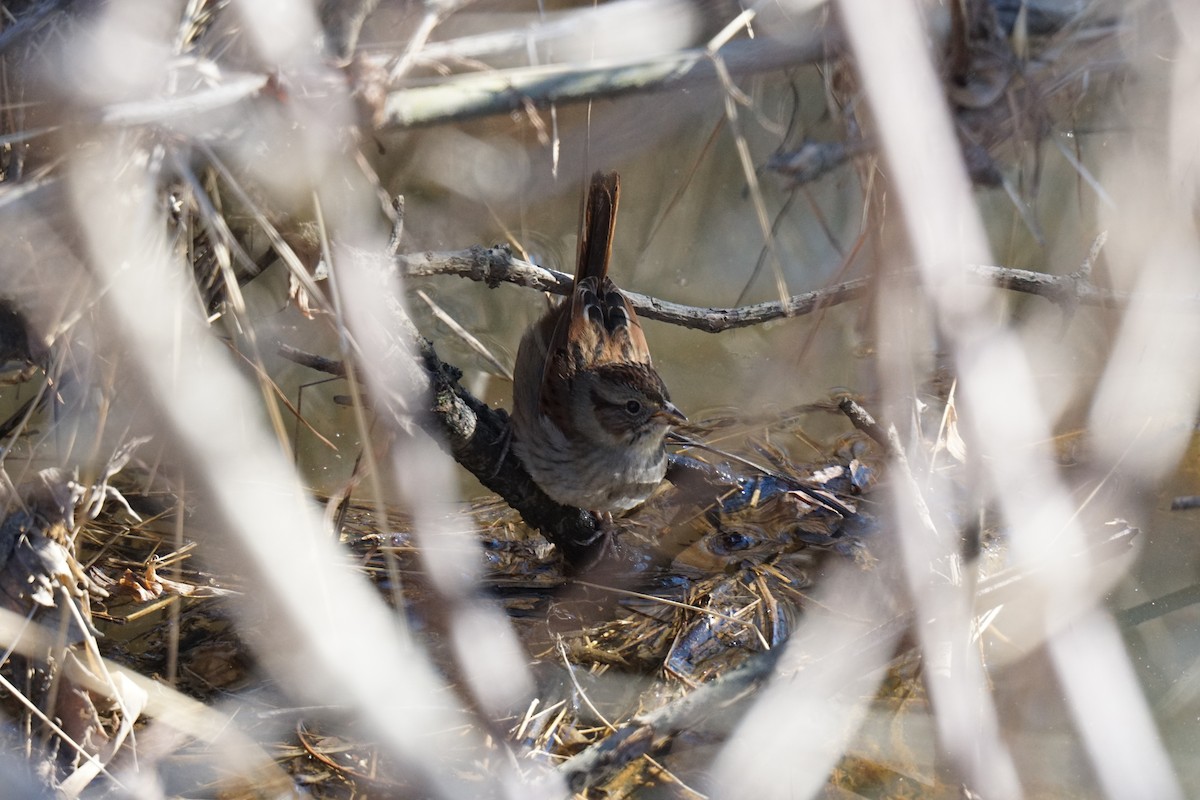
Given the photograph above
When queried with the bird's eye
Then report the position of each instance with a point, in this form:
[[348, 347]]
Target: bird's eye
[[633, 408]]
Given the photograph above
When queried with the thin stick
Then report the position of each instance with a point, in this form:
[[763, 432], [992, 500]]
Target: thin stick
[[496, 265]]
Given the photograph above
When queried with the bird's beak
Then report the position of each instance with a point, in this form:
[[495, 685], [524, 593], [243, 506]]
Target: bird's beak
[[671, 414]]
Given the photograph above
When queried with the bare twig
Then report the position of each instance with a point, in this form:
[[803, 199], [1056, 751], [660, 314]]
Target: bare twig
[[866, 423], [1064, 290], [495, 265], [501, 92]]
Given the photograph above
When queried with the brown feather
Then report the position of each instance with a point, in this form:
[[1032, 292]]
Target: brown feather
[[597, 226], [596, 325]]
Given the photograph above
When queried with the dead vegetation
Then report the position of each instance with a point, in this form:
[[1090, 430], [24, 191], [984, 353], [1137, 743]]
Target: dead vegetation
[[209, 207]]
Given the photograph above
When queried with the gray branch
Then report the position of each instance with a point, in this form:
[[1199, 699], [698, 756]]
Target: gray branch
[[497, 265], [503, 91]]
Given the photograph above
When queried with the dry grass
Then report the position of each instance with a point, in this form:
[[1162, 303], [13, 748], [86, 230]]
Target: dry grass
[[222, 577]]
